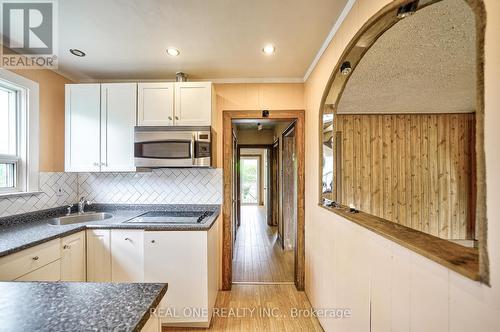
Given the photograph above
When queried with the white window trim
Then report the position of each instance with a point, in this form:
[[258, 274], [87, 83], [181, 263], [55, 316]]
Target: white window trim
[[29, 104]]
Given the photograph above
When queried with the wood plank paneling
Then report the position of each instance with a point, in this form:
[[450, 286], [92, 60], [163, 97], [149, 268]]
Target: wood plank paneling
[[414, 170]]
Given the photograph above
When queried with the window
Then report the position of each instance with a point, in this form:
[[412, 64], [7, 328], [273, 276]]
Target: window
[[18, 134], [9, 156]]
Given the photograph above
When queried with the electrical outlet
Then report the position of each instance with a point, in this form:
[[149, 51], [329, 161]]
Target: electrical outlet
[[59, 192]]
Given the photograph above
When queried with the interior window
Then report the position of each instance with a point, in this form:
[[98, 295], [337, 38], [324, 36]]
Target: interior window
[[398, 140]]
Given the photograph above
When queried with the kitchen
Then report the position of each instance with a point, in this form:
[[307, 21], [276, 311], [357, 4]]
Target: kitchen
[[121, 242], [120, 159]]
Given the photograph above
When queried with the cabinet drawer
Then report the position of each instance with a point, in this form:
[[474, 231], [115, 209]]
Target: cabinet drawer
[[49, 272], [23, 262]]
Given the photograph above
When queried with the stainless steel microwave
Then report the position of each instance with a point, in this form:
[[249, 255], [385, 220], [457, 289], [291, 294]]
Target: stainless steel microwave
[[157, 147]]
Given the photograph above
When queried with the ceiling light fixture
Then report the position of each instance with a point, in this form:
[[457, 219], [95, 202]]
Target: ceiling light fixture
[[77, 52], [346, 68], [269, 49], [408, 9], [173, 51]]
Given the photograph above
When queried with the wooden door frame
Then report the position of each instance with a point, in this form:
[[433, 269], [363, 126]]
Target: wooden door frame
[[227, 246]]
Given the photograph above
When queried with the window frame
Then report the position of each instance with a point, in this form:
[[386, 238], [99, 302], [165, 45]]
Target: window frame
[[26, 163]]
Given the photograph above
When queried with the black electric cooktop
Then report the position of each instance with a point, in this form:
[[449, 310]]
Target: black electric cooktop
[[171, 217]]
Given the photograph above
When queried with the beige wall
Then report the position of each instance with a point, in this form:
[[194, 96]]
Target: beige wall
[[51, 87], [348, 266], [252, 136], [250, 97]]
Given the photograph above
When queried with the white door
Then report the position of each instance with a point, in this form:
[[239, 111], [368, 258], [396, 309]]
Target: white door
[[118, 113], [98, 255], [179, 258], [73, 257], [82, 127], [193, 104], [127, 247], [155, 104]]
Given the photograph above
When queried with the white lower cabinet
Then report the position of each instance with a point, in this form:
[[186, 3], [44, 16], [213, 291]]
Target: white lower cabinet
[[49, 272], [152, 325], [30, 260], [98, 255], [73, 255], [187, 261], [127, 252]]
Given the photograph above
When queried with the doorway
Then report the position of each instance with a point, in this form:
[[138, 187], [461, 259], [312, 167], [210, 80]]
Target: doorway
[[250, 179], [263, 239]]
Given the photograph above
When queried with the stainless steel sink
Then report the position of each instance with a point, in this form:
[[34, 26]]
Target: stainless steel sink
[[78, 218]]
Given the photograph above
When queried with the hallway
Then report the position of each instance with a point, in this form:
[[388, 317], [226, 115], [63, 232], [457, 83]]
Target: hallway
[[258, 255]]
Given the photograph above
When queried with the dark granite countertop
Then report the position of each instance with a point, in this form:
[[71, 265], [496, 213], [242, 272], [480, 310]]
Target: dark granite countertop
[[77, 306], [27, 230]]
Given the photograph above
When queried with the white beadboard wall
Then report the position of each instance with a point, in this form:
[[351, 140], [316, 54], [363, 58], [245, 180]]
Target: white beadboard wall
[[57, 189], [161, 186]]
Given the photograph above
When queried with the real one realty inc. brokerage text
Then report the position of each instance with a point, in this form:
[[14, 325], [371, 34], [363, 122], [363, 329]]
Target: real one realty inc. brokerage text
[[252, 312]]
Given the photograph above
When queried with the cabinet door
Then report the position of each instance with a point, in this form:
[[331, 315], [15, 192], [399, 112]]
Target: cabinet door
[[179, 258], [127, 249], [73, 258], [193, 104], [156, 104], [82, 127], [49, 272], [118, 113], [98, 255]]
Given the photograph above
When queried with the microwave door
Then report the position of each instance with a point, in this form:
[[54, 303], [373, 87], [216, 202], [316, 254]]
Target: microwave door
[[155, 151]]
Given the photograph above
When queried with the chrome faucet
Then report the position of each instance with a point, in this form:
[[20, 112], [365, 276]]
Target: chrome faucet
[[82, 203]]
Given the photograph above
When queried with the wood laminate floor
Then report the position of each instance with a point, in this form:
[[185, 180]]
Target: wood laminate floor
[[258, 255], [260, 308]]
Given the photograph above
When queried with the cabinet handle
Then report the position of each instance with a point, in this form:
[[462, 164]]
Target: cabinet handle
[[152, 241], [127, 239], [66, 246], [36, 258], [170, 118], [176, 117]]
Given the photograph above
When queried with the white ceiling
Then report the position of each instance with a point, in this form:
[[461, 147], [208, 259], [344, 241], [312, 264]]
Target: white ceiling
[[218, 39], [426, 63]]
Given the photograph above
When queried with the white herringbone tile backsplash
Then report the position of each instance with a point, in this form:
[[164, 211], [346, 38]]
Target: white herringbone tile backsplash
[[57, 189], [161, 186]]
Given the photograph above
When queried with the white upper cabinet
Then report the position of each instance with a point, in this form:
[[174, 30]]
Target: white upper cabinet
[[156, 104], [82, 127], [118, 111], [193, 104], [175, 104], [99, 130]]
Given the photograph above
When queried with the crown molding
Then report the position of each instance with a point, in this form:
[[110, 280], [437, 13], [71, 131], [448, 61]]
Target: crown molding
[[333, 32]]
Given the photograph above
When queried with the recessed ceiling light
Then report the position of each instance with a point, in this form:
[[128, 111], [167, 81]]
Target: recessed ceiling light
[[77, 52], [269, 49], [173, 51]]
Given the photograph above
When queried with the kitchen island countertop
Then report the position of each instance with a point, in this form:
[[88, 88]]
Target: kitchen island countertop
[[77, 306]]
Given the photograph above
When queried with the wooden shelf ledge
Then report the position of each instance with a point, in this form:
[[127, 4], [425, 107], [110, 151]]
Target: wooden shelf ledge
[[460, 259]]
